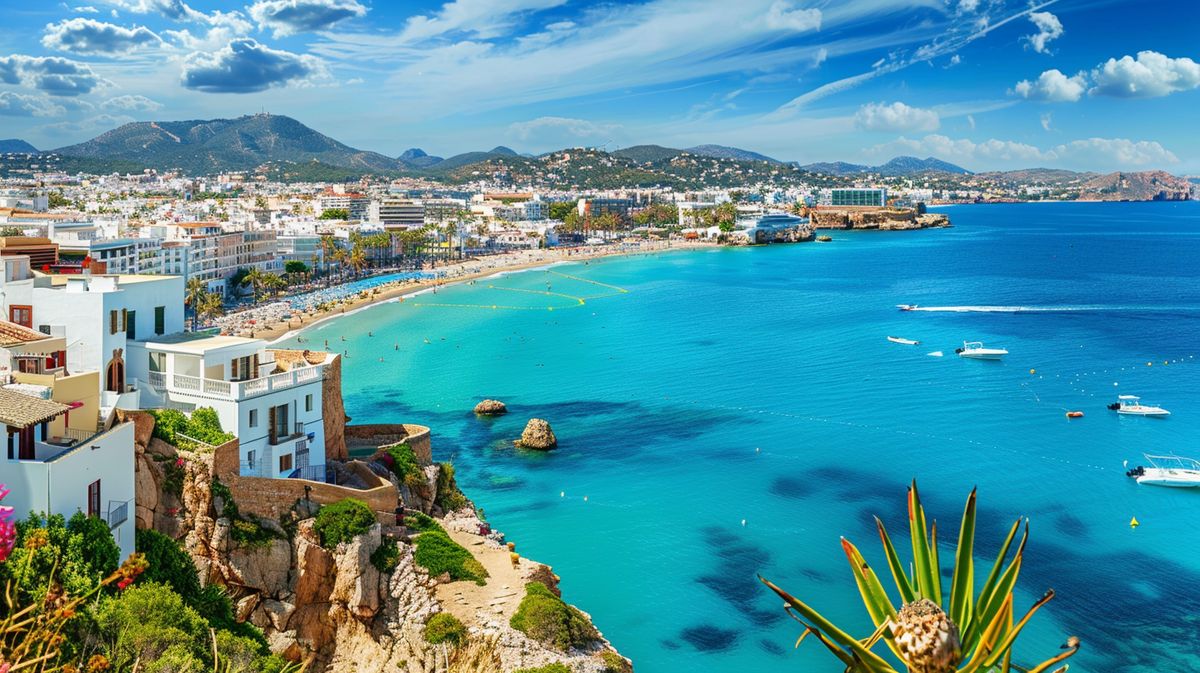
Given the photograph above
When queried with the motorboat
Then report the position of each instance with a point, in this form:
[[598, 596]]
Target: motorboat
[[1173, 471], [976, 351], [906, 307], [1131, 405], [906, 342]]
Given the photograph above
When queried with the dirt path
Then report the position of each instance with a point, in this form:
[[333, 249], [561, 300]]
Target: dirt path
[[496, 601]]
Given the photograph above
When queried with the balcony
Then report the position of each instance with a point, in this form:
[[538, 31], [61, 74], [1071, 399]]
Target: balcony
[[118, 513], [232, 390]]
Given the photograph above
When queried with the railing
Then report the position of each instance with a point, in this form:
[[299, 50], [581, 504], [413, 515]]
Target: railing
[[157, 380], [216, 387], [117, 514], [321, 473], [297, 432], [235, 390], [185, 382]]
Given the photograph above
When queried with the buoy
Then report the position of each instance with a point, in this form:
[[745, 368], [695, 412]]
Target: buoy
[[1149, 364], [562, 494], [743, 522], [1074, 414], [1133, 523], [585, 498], [1032, 371]]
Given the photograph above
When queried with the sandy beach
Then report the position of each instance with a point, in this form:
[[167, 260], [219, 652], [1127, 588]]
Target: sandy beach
[[275, 321]]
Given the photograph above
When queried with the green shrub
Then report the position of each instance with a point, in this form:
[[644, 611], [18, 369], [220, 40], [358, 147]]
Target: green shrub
[[250, 534], [79, 553], [220, 490], [167, 422], [145, 622], [204, 425], [556, 667], [343, 521], [400, 459], [615, 663], [387, 556], [449, 497], [169, 564], [438, 554], [445, 628], [548, 620], [421, 522]]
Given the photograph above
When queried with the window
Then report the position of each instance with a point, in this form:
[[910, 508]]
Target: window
[[251, 459], [253, 419], [285, 462], [113, 318], [160, 319], [131, 325], [279, 423], [308, 402], [21, 315], [158, 362], [93, 498]]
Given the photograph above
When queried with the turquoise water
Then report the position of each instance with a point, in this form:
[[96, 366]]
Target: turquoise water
[[757, 384]]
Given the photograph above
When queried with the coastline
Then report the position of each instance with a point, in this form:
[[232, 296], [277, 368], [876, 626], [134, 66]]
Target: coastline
[[461, 272]]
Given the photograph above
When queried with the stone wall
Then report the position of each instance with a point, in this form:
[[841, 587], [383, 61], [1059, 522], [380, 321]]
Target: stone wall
[[386, 434], [269, 498]]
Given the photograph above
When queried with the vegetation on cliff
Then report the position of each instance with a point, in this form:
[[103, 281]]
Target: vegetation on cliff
[[400, 459], [545, 618], [438, 554], [176, 428], [449, 496], [445, 628], [343, 521]]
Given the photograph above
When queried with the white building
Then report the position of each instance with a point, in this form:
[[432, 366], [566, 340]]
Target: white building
[[272, 405], [397, 213]]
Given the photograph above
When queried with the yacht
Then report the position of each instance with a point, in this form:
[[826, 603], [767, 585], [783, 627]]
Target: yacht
[[1131, 405], [906, 307], [1173, 471], [976, 351], [906, 342]]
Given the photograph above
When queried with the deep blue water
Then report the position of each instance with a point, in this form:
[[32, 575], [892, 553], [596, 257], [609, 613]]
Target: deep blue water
[[757, 384]]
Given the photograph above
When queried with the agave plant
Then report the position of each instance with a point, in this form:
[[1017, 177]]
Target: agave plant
[[973, 633]]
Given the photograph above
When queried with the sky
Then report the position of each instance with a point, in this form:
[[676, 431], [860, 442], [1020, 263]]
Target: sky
[[987, 84]]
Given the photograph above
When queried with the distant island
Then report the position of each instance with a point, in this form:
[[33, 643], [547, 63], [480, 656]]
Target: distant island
[[280, 148]]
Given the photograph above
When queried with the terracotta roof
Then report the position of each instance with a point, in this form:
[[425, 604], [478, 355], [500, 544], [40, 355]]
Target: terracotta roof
[[12, 333], [21, 411], [196, 225]]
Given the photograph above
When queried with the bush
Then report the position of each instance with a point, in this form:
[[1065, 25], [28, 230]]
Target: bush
[[79, 553], [445, 628], [204, 425], [615, 663], [387, 556], [438, 554], [169, 564], [250, 533], [400, 459], [343, 521], [548, 620], [449, 497], [167, 422], [556, 667], [146, 622], [422, 522]]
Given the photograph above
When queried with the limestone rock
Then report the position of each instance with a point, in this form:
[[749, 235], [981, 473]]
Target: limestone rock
[[314, 568], [491, 408], [538, 435], [278, 613], [357, 581], [245, 606], [264, 568]]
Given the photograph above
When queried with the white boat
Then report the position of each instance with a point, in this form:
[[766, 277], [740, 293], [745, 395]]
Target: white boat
[[1173, 471], [976, 351], [906, 342], [1131, 405], [906, 307]]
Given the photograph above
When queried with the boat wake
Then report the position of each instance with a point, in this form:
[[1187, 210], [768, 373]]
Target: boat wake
[[1046, 309]]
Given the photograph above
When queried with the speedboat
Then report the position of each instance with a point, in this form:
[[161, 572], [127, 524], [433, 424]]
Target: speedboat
[[1131, 405], [976, 351], [906, 342], [1174, 471], [906, 307]]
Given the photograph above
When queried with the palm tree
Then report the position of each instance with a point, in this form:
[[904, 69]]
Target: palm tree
[[194, 292], [210, 305], [255, 279]]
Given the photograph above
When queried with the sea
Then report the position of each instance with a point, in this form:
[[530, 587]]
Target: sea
[[724, 414]]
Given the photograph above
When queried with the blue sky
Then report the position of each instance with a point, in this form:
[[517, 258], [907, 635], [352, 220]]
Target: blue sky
[[987, 84]]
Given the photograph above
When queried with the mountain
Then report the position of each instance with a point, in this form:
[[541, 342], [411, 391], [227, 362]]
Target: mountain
[[16, 145], [211, 146], [468, 158], [897, 166], [1140, 186], [723, 152], [501, 149], [644, 154], [417, 158], [910, 165]]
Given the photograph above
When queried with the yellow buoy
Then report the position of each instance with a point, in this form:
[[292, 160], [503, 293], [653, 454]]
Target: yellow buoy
[[1133, 523], [1149, 364], [1032, 371]]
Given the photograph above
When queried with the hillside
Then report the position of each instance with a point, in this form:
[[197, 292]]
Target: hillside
[[417, 158], [725, 152], [644, 154], [16, 145], [211, 146], [836, 168], [1140, 186], [896, 167]]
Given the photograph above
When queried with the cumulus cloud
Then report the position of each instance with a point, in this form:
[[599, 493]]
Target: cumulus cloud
[[1087, 154], [55, 75], [1053, 86], [1049, 28], [783, 16], [88, 36], [561, 131], [172, 9], [21, 105], [896, 117], [288, 17], [131, 103], [1149, 75], [85, 9], [245, 66]]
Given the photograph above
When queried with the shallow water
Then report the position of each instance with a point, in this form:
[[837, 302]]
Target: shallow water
[[693, 390]]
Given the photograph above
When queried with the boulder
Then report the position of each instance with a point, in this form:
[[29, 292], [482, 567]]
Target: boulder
[[491, 408], [264, 568], [356, 580], [537, 435]]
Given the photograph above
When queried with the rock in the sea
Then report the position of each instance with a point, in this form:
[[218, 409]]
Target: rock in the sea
[[491, 408], [538, 435]]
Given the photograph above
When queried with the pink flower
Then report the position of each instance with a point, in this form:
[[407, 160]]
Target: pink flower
[[4, 667], [121, 586], [8, 530], [178, 462]]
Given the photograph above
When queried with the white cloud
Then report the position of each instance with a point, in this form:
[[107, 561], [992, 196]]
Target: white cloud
[[1088, 154], [88, 36], [971, 121], [22, 105], [1046, 119], [967, 6], [783, 16], [896, 117], [954, 60], [1053, 86], [1114, 152], [1049, 28], [480, 18], [557, 132], [245, 66], [55, 75], [289, 17], [131, 103], [1149, 75], [85, 9]]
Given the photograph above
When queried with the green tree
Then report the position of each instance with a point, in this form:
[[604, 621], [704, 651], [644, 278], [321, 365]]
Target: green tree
[[79, 553], [296, 267], [558, 210], [193, 293], [335, 214]]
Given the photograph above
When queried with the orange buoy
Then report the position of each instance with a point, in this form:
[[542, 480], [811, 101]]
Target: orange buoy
[[1074, 414]]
